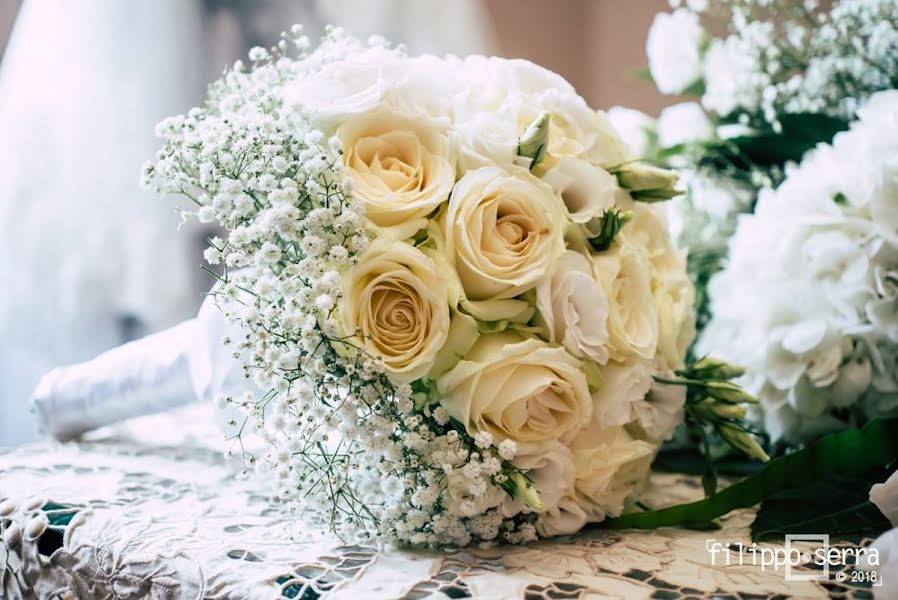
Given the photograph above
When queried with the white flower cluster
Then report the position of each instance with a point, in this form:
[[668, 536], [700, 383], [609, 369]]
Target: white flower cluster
[[456, 338], [779, 56], [809, 299]]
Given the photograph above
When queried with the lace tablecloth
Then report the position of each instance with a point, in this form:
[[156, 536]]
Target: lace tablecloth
[[153, 510]]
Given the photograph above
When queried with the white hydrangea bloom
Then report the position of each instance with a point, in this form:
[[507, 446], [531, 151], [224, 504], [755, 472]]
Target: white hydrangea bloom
[[802, 301]]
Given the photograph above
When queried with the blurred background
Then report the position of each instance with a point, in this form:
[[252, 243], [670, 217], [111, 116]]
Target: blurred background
[[87, 260]]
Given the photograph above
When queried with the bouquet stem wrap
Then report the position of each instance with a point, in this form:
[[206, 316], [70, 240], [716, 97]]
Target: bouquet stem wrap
[[159, 372], [145, 376]]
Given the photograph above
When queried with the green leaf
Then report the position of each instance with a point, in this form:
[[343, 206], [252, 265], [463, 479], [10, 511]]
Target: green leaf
[[766, 147], [691, 462], [846, 453], [837, 505]]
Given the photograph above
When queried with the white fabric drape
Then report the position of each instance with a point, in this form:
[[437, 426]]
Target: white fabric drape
[[82, 85]]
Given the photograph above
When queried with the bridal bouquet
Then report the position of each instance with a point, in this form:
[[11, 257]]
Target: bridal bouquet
[[450, 286]]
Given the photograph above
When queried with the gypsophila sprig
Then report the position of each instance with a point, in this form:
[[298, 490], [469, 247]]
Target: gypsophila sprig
[[405, 258], [792, 57]]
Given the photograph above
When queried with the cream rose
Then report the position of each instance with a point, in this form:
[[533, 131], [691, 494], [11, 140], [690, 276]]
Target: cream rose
[[396, 304], [401, 168], [626, 276], [674, 294], [648, 232], [676, 313], [611, 464], [505, 233], [573, 309], [518, 389]]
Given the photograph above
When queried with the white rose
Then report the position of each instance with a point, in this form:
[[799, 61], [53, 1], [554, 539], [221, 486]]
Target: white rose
[[352, 86], [579, 132], [396, 304], [885, 497], [516, 92], [635, 128], [587, 190], [674, 50], [486, 139], [368, 78], [683, 123], [611, 465], [505, 233], [573, 309], [633, 324], [551, 470], [401, 168], [628, 395], [518, 389]]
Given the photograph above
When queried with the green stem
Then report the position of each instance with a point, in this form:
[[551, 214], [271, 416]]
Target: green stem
[[847, 453]]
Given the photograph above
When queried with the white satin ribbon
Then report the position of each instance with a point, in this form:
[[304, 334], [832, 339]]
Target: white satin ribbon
[[162, 371]]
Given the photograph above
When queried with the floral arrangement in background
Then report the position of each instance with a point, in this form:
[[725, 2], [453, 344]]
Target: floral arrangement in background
[[453, 288], [820, 342], [784, 78]]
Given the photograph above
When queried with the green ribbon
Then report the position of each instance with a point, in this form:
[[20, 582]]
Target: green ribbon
[[846, 453]]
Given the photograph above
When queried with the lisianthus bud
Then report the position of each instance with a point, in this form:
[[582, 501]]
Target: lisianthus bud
[[728, 392], [524, 491], [648, 183], [724, 410], [743, 441], [535, 139], [609, 226], [712, 368]]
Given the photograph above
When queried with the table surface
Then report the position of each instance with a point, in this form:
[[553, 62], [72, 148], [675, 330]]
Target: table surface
[[154, 510]]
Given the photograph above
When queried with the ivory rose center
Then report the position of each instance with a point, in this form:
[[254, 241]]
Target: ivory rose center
[[396, 305], [505, 233], [401, 168]]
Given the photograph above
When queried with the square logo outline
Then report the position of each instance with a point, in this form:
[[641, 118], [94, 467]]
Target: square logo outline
[[820, 538]]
